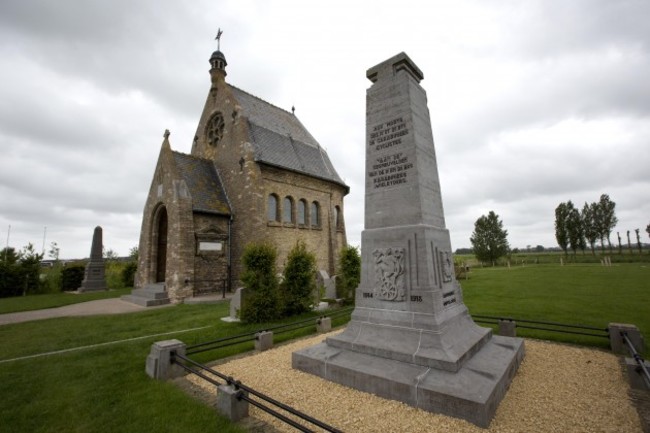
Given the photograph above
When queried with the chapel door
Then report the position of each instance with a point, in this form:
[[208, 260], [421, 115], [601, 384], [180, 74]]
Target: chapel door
[[161, 257]]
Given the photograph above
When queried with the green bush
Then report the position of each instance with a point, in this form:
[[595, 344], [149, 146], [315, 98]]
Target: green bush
[[20, 272], [72, 277], [11, 280], [128, 274], [349, 275], [114, 269], [299, 281], [259, 277], [51, 279]]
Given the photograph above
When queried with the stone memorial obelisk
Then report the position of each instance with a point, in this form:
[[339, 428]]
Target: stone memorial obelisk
[[411, 337], [95, 274]]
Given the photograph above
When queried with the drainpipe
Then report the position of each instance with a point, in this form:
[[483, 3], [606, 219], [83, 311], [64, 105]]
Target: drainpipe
[[230, 253]]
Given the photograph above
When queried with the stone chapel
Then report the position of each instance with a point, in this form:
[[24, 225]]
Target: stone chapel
[[254, 174]]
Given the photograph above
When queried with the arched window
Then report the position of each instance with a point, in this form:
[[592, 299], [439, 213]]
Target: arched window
[[314, 214], [338, 221], [302, 212], [287, 210], [272, 208]]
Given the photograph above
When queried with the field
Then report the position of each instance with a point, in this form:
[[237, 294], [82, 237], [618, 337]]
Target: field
[[584, 294], [101, 386]]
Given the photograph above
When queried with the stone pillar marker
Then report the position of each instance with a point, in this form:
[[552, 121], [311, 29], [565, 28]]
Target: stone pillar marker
[[411, 337], [95, 274]]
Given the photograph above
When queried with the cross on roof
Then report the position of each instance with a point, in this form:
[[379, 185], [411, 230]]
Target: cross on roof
[[218, 38]]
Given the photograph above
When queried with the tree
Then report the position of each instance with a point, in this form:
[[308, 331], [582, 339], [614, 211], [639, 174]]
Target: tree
[[134, 253], [561, 230], [575, 229], [9, 255], [589, 225], [629, 243], [262, 301], [647, 229], [299, 280], [607, 220], [109, 254], [30, 264], [54, 251], [638, 240], [349, 275], [11, 279], [489, 239]]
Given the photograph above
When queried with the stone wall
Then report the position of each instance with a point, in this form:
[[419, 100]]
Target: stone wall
[[211, 252], [325, 240]]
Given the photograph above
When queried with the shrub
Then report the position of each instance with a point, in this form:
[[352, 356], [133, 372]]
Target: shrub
[[114, 270], [20, 272], [11, 280], [349, 272], [51, 279], [299, 280], [128, 274], [259, 277], [72, 276]]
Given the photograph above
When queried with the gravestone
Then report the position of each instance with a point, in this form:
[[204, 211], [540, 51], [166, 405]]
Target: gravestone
[[235, 306], [327, 283], [411, 337], [95, 273]]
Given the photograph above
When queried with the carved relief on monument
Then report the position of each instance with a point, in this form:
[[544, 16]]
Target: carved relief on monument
[[447, 266], [389, 274], [214, 129]]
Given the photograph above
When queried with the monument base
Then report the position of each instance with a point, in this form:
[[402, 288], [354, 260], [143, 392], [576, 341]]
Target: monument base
[[92, 286], [472, 393]]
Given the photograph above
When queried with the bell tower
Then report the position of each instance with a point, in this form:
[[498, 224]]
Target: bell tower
[[218, 62]]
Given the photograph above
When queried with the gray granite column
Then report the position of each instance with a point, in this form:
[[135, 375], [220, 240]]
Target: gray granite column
[[411, 337]]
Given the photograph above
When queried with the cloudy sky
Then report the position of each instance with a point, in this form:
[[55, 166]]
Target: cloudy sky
[[532, 103]]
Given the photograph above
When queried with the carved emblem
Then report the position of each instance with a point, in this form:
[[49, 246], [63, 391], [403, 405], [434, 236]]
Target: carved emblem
[[447, 266], [389, 273]]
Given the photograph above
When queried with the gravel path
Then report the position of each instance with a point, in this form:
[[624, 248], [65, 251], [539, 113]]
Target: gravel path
[[558, 388]]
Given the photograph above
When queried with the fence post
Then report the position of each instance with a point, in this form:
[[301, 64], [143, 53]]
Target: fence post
[[159, 365], [230, 404], [616, 341], [263, 340], [507, 328], [324, 324], [634, 374]]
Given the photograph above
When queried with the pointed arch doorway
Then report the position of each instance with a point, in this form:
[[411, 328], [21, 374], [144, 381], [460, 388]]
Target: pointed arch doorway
[[161, 245]]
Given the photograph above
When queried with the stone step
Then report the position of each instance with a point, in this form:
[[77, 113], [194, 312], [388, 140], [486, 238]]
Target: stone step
[[145, 302], [150, 295]]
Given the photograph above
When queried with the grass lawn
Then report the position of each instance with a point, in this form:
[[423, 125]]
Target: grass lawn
[[105, 389], [39, 302], [576, 294]]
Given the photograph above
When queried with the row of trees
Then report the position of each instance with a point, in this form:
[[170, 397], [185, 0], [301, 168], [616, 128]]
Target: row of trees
[[270, 298], [21, 272], [575, 228]]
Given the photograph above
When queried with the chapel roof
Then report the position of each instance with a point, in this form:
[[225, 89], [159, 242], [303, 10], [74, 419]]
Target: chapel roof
[[202, 180], [281, 140]]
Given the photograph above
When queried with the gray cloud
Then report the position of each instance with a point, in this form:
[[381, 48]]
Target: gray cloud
[[532, 103]]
